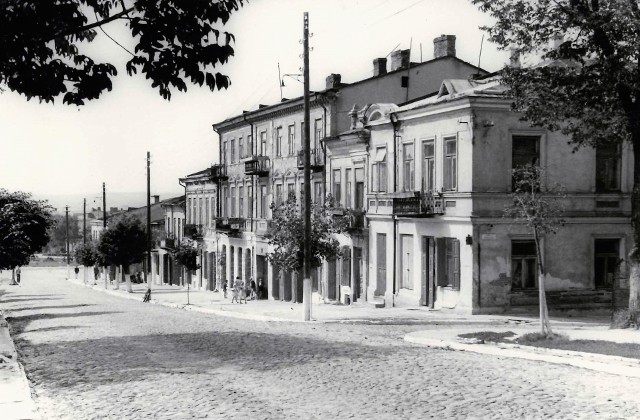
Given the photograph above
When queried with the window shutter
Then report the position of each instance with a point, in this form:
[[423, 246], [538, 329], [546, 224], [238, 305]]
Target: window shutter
[[456, 264], [441, 262]]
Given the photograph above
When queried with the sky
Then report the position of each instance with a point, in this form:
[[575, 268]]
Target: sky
[[54, 150]]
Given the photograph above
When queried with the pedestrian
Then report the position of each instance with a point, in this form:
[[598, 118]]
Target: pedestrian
[[147, 295], [224, 288], [139, 277], [18, 275], [96, 272], [252, 284], [260, 289], [76, 270]]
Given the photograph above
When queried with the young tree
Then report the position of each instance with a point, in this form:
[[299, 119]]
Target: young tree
[[540, 211], [287, 235], [24, 228], [44, 52], [187, 255], [85, 255], [123, 244], [592, 93]]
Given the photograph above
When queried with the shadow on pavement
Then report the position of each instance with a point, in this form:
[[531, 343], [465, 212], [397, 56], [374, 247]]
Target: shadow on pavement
[[138, 358], [29, 299], [45, 329], [24, 319], [38, 308]]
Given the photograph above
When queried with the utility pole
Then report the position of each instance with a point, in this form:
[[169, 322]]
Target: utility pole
[[66, 210], [306, 283], [84, 221], [148, 259], [104, 206]]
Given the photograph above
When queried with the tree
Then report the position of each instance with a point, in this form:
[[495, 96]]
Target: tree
[[286, 235], [590, 90], [44, 52], [24, 228], [540, 211], [85, 255], [187, 256], [123, 244], [58, 233]]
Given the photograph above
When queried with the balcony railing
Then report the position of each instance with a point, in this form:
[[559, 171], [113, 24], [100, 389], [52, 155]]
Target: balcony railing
[[316, 157], [219, 172], [257, 165], [195, 232], [420, 205], [230, 224]]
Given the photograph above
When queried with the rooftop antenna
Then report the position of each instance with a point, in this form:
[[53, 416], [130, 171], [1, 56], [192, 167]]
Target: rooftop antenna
[[480, 55], [421, 52], [280, 81]]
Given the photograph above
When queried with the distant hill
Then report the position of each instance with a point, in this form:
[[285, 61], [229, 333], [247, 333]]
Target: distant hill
[[114, 199]]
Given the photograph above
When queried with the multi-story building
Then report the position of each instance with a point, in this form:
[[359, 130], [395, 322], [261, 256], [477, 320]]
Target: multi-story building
[[260, 164], [438, 175], [165, 269]]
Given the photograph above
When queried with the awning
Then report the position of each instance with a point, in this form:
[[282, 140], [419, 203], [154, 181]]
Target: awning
[[381, 154]]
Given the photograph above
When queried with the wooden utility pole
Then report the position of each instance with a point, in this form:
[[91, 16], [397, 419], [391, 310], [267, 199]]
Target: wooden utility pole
[[84, 221], [306, 283], [148, 259], [66, 211], [104, 206]]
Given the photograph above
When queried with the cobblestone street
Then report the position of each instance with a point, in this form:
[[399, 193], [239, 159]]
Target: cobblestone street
[[90, 355]]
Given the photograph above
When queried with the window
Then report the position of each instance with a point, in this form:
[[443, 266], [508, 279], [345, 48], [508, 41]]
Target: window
[[525, 151], [608, 167], [450, 181], [337, 186], [200, 212], [347, 175], [250, 200], [291, 190], [224, 152], [263, 201], [407, 167], [189, 210], [406, 250], [249, 150], [241, 147], [524, 265], [381, 261], [263, 143], [359, 204], [279, 141], [606, 262], [448, 262], [207, 204], [379, 170], [225, 202], [233, 151], [292, 139], [317, 136], [278, 194], [317, 192], [428, 165], [240, 201], [233, 202]]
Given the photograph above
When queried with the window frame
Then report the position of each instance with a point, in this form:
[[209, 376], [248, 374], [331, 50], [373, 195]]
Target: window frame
[[428, 170], [616, 157], [450, 164], [408, 165]]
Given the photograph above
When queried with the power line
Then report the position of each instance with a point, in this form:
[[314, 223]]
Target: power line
[[396, 13]]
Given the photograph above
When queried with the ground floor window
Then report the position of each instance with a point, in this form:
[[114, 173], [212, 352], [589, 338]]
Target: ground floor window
[[448, 262], [606, 261], [524, 265]]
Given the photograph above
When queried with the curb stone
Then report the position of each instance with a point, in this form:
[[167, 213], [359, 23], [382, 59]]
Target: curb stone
[[616, 365]]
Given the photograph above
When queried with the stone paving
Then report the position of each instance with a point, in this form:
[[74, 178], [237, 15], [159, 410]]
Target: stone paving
[[91, 355]]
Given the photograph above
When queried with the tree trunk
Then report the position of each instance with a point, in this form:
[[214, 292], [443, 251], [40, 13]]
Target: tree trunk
[[545, 325], [118, 277], [13, 276], [127, 278], [634, 255], [105, 272]]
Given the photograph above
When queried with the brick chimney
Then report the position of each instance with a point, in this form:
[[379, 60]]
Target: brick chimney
[[399, 59], [156, 199], [333, 81], [444, 45], [379, 66]]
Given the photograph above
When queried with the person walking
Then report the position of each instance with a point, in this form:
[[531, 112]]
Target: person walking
[[252, 284], [18, 275], [224, 288], [96, 272], [76, 270]]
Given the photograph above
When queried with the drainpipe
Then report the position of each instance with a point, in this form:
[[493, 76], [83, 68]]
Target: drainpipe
[[476, 234], [394, 121]]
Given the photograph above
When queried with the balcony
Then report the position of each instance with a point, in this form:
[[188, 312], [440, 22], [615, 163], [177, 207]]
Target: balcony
[[168, 242], [257, 165], [194, 232], [219, 172], [230, 224], [316, 157], [420, 205]]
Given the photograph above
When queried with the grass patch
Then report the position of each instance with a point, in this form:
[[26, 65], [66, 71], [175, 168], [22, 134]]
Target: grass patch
[[560, 342]]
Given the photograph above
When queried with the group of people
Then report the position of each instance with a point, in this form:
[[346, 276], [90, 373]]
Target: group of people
[[241, 292]]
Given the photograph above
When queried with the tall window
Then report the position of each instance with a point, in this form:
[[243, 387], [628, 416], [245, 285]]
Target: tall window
[[278, 194], [279, 141], [206, 210], [233, 202], [317, 193], [249, 151], [200, 212], [263, 143], [291, 190], [225, 202], [428, 165], [381, 262], [448, 262], [348, 194], [606, 262], [291, 139], [250, 200], [317, 136], [379, 170], [233, 151], [240, 201], [407, 167], [337, 186], [608, 167], [525, 150], [524, 270], [225, 157], [359, 197], [406, 251], [450, 181], [263, 201], [240, 147]]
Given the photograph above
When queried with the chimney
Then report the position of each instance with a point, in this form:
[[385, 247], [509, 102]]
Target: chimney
[[333, 81], [399, 59], [379, 66], [156, 199], [444, 46]]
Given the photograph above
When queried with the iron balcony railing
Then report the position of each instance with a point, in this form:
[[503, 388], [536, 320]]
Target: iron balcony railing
[[316, 157], [421, 204], [219, 172], [230, 224], [257, 165]]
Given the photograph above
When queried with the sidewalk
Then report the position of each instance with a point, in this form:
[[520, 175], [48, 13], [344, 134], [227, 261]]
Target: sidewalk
[[362, 313], [15, 395]]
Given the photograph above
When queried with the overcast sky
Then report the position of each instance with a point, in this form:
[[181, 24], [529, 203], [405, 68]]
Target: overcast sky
[[58, 149]]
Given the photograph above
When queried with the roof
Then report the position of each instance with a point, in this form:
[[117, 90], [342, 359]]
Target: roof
[[157, 210]]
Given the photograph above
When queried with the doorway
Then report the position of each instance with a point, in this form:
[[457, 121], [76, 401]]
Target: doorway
[[427, 286]]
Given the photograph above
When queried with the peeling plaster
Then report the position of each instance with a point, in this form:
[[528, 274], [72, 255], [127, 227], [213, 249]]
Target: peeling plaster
[[556, 283]]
